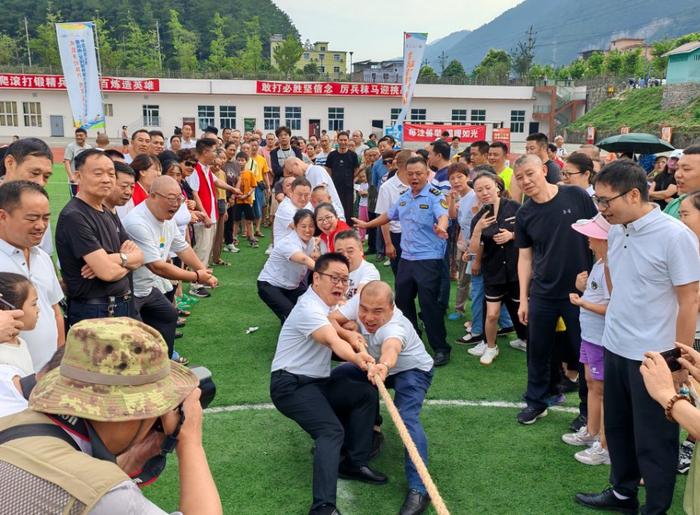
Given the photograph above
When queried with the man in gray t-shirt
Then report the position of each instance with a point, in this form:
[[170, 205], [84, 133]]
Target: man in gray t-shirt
[[402, 364], [72, 150]]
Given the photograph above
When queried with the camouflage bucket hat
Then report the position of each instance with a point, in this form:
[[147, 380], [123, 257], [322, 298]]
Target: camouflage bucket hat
[[113, 369]]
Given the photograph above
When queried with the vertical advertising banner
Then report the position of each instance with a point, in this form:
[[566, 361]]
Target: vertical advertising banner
[[413, 49], [502, 135], [76, 45], [666, 133], [590, 135]]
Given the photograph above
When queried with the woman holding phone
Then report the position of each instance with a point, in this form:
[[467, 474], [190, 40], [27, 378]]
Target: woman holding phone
[[493, 232]]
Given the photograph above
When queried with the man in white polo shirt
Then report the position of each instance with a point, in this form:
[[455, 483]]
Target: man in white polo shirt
[[301, 387], [349, 244], [24, 218], [654, 269], [389, 193], [317, 176], [151, 226], [298, 199]]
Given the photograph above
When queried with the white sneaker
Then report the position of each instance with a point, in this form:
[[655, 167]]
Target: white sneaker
[[518, 344], [594, 455], [580, 438], [489, 355], [234, 249], [268, 250], [478, 349], [387, 262]]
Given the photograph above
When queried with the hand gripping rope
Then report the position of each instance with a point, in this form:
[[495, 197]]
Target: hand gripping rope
[[435, 497]]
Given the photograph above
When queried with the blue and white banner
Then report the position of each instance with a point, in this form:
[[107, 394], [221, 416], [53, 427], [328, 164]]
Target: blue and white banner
[[413, 49], [76, 45]]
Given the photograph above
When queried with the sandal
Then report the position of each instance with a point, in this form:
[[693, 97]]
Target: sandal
[[182, 360], [183, 312], [259, 234], [221, 262]]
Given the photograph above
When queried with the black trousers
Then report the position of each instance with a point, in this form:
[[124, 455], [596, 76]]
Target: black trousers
[[228, 227], [396, 242], [336, 413], [641, 441], [155, 310], [280, 300], [543, 371], [372, 235], [424, 278]]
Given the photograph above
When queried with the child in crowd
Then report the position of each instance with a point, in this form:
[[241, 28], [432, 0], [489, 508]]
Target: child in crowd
[[362, 190], [320, 195], [18, 293], [593, 304], [243, 210]]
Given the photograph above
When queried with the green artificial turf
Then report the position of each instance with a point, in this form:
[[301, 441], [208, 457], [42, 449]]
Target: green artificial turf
[[481, 459]]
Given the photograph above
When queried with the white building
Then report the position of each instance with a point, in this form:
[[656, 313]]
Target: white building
[[29, 108]]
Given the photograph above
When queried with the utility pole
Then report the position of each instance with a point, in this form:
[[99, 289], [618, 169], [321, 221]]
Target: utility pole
[[160, 57], [26, 33], [442, 58]]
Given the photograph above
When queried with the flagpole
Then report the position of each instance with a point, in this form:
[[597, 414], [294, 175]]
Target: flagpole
[[99, 71]]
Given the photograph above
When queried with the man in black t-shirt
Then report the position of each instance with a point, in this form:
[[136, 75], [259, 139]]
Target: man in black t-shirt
[[551, 255], [536, 144], [95, 255], [342, 164], [664, 188]]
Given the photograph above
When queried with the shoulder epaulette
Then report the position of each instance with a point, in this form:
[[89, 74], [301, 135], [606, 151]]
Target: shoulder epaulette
[[435, 191]]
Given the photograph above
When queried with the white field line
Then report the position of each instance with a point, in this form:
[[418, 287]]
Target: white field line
[[453, 403]]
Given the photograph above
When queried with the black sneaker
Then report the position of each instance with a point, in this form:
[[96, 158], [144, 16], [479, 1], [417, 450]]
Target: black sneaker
[[470, 339], [567, 385], [530, 415], [578, 423], [506, 330], [325, 509], [685, 456], [200, 292]]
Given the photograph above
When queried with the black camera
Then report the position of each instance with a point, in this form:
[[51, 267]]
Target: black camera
[[206, 384]]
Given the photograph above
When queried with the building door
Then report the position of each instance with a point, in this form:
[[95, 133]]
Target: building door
[[315, 128], [193, 126], [56, 126], [377, 124], [534, 127]]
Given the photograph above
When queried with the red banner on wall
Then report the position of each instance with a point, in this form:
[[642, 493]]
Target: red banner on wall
[[266, 87], [24, 81], [431, 132], [502, 135]]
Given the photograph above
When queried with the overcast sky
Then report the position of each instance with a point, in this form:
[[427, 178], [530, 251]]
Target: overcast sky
[[373, 29]]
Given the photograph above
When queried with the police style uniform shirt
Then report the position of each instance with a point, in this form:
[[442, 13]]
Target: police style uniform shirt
[[365, 273], [413, 354], [42, 341], [647, 259], [499, 263], [156, 239], [81, 230], [279, 270], [389, 193], [418, 215], [297, 352]]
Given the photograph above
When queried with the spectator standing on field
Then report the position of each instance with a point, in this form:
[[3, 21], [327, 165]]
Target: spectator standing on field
[[72, 151]]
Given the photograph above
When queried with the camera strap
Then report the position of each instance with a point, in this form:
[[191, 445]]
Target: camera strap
[[155, 465]]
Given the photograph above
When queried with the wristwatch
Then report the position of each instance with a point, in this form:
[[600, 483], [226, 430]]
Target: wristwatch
[[124, 258]]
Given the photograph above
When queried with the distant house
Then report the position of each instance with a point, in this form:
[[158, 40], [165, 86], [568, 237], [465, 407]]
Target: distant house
[[331, 63], [378, 71], [684, 64]]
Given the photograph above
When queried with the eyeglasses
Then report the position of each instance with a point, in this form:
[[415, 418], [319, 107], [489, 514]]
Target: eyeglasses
[[172, 200], [336, 280], [605, 202], [569, 174], [190, 163], [325, 219]]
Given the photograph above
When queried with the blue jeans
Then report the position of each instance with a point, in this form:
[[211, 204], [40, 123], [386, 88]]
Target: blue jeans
[[477, 296], [410, 388], [78, 311]]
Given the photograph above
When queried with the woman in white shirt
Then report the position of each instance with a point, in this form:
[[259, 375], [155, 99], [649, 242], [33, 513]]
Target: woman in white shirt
[[282, 280]]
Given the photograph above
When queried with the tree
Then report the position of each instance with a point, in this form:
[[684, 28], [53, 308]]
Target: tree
[[494, 67], [287, 54], [184, 43], [110, 56], [540, 71], [9, 50], [613, 63], [219, 58], [44, 45], [454, 70], [427, 73], [523, 56], [311, 68], [632, 63], [140, 48], [250, 59], [594, 65]]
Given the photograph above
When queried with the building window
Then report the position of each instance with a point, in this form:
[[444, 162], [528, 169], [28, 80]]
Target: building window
[[395, 113], [478, 115], [322, 48], [336, 69], [321, 57], [8, 114], [459, 116], [386, 76], [32, 114], [108, 109], [322, 69], [336, 118], [205, 116], [271, 117], [336, 57], [306, 56], [418, 115], [517, 121], [227, 117], [292, 118], [151, 116]]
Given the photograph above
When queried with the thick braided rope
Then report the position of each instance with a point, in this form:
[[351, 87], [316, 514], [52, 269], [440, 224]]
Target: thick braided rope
[[438, 503]]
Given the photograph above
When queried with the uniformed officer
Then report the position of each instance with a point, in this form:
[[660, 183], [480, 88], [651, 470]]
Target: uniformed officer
[[302, 390], [422, 211]]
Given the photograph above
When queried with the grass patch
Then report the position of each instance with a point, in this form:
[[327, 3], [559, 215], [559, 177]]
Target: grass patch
[[481, 459]]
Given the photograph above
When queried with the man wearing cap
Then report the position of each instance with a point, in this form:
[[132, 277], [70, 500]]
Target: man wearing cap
[[114, 384]]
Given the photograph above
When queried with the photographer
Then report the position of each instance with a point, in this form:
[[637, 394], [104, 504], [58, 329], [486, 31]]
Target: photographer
[[81, 422]]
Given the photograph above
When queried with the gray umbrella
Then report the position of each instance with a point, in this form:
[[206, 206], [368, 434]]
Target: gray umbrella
[[635, 143]]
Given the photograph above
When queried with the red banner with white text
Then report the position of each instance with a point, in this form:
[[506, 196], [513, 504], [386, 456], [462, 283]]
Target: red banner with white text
[[26, 81], [266, 87], [430, 132]]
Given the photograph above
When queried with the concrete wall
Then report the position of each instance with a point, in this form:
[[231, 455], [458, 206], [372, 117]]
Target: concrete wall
[[679, 95]]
